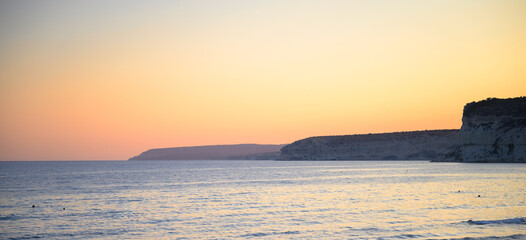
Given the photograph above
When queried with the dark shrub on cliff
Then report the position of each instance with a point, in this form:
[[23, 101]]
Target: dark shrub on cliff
[[497, 107]]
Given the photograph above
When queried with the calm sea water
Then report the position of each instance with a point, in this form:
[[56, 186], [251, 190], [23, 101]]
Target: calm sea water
[[262, 200]]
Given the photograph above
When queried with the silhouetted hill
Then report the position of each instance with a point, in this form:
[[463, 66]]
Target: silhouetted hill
[[213, 152]]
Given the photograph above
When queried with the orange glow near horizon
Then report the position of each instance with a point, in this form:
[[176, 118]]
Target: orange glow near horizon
[[99, 81]]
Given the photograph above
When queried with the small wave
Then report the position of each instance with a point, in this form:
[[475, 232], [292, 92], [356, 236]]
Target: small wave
[[25, 237], [70, 235], [262, 234], [511, 237], [407, 236], [8, 217], [521, 220], [11, 217], [367, 229]]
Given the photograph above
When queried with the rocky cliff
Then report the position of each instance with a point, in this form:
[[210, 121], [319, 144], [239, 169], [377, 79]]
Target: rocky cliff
[[213, 152], [417, 145], [493, 130]]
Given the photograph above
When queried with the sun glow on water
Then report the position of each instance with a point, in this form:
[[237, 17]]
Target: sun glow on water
[[245, 199]]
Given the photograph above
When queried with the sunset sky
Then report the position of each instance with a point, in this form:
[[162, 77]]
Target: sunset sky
[[103, 80]]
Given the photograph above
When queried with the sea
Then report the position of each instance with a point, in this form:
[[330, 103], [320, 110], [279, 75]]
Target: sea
[[262, 200]]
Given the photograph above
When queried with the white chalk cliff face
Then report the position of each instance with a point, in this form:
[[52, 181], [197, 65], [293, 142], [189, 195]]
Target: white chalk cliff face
[[417, 145], [493, 130]]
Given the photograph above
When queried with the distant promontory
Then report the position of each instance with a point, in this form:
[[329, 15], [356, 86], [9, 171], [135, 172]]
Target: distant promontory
[[213, 152]]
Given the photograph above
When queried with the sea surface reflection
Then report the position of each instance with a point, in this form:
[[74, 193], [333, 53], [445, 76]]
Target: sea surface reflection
[[262, 199]]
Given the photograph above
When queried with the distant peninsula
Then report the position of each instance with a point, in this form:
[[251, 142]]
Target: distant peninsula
[[213, 152]]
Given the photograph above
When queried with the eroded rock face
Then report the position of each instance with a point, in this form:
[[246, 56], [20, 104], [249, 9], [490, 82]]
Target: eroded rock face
[[493, 130], [417, 145]]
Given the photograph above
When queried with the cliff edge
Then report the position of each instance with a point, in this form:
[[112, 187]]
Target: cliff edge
[[493, 130]]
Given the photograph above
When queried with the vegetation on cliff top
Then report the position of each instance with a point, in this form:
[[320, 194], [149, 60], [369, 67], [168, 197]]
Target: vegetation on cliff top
[[497, 107], [380, 136]]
